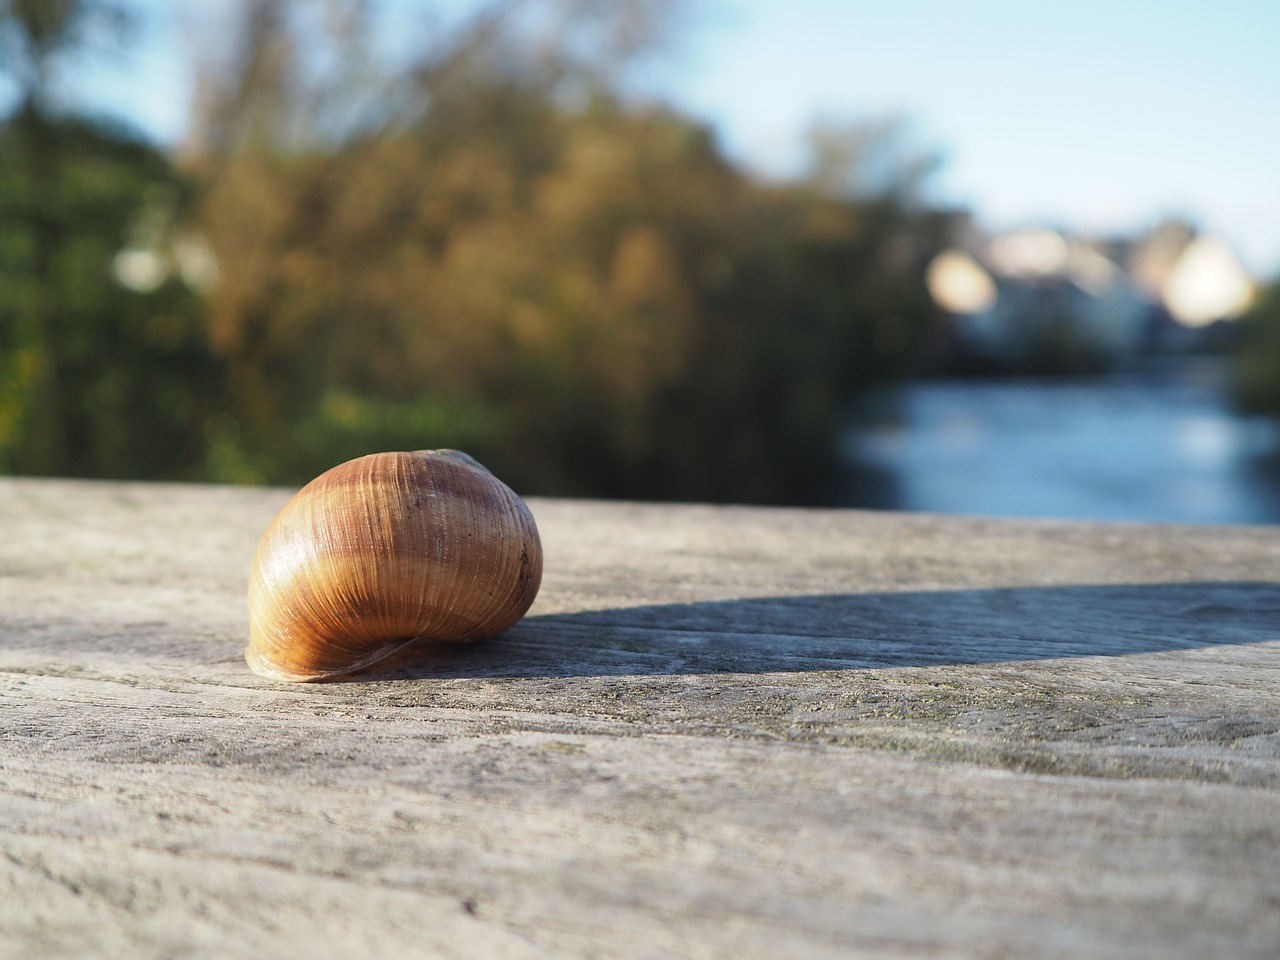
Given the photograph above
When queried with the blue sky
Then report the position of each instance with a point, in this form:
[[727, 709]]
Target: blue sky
[[1090, 115]]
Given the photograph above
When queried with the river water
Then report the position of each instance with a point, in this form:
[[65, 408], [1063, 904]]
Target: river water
[[1159, 446]]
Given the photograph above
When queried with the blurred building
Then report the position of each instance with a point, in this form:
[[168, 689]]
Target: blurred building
[[1040, 300]]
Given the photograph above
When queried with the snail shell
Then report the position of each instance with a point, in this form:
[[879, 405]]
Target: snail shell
[[383, 550]]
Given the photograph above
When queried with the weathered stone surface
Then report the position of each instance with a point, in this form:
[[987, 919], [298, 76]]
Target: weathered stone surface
[[721, 732]]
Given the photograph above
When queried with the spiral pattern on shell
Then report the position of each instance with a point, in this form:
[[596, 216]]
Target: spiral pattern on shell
[[386, 549]]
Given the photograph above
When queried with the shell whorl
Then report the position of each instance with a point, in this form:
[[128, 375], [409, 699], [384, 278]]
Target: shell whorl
[[385, 549]]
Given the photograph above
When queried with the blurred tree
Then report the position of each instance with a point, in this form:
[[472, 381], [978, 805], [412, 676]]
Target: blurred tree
[[499, 251], [1258, 362], [95, 378]]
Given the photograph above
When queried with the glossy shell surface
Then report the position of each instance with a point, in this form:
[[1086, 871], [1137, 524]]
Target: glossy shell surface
[[386, 549]]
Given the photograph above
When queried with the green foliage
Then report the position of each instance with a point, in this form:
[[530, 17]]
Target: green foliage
[[614, 312], [1258, 366], [582, 292], [96, 379], [99, 380]]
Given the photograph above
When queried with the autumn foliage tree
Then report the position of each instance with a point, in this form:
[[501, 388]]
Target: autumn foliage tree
[[485, 240], [501, 251]]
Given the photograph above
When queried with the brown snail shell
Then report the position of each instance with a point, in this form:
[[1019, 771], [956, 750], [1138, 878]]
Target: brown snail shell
[[383, 550]]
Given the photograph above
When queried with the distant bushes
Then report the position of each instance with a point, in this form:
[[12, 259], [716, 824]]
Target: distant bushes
[[627, 316], [584, 293], [96, 379], [1258, 365]]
